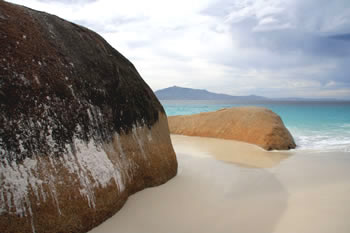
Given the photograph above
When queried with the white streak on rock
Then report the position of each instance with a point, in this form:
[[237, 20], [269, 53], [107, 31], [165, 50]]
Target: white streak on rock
[[90, 163], [15, 186], [71, 89], [95, 162], [119, 145], [33, 226], [126, 163], [52, 189], [87, 163], [89, 114], [149, 136], [2, 202], [53, 164], [36, 79], [138, 139]]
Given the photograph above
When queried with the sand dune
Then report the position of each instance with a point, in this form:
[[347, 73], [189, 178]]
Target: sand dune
[[300, 192]]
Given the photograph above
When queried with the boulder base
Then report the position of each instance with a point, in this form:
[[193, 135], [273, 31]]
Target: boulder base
[[79, 190]]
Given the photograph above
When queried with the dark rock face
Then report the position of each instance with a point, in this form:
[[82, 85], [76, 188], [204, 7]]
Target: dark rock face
[[80, 130], [54, 76]]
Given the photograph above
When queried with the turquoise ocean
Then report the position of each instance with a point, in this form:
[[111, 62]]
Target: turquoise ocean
[[321, 126]]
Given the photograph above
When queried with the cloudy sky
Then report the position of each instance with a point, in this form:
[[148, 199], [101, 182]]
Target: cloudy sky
[[274, 48]]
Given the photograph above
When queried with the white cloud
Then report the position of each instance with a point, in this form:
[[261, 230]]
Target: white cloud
[[266, 47], [331, 84], [268, 20]]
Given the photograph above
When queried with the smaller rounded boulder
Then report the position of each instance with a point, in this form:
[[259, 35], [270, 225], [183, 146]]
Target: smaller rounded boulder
[[255, 125]]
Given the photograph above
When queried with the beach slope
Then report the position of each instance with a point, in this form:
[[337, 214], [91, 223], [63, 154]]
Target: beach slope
[[304, 192]]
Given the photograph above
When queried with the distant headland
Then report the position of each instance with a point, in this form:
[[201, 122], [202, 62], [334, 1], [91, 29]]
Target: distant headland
[[184, 93]]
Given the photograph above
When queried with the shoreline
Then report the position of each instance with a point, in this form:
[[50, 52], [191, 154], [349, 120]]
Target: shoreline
[[249, 155], [326, 132], [292, 192]]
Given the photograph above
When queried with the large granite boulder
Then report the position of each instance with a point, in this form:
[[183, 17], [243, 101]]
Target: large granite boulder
[[80, 130], [253, 125]]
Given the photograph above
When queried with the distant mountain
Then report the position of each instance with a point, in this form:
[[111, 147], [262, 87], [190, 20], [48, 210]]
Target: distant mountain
[[181, 93]]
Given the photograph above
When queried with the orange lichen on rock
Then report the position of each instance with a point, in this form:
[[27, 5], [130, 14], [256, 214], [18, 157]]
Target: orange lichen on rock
[[255, 125]]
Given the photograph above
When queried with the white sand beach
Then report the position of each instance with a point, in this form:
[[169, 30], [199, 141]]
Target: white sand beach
[[227, 186]]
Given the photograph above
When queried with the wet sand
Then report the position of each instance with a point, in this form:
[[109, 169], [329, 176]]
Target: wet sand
[[226, 186]]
